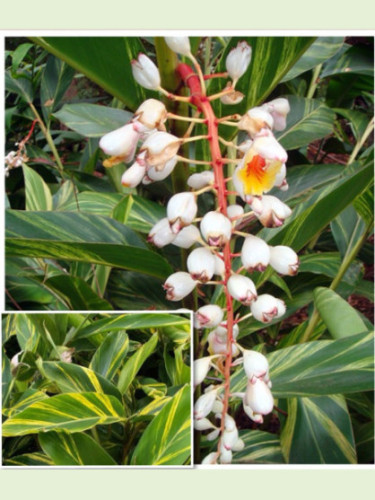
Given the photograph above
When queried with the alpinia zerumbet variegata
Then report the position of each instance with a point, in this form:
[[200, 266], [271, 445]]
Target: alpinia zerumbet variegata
[[260, 167]]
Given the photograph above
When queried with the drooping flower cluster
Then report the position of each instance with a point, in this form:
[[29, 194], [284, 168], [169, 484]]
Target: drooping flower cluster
[[260, 166]]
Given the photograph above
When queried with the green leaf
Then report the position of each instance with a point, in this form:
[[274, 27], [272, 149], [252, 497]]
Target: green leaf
[[19, 55], [318, 431], [24, 289], [166, 440], [341, 319], [110, 354], [358, 120], [319, 368], [27, 398], [322, 49], [29, 337], [347, 229], [131, 321], [135, 362], [29, 459], [38, 195], [75, 293], [105, 60], [312, 216], [308, 120], [73, 449], [70, 412], [6, 379], [83, 238], [56, 78], [20, 85], [350, 59], [260, 448], [92, 120], [74, 378]]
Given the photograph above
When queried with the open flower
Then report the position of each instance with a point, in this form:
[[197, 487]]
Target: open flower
[[256, 173], [255, 120], [278, 108]]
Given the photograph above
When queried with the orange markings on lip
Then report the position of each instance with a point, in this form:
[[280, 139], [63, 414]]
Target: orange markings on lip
[[257, 177]]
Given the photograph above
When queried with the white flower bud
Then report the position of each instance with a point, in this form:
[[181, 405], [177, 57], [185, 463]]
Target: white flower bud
[[218, 345], [255, 365], [213, 435], [258, 398], [270, 211], [187, 237], [278, 108], [280, 179], [159, 148], [159, 175], [145, 72], [225, 455], [201, 368], [255, 120], [238, 60], [203, 405], [161, 233], [151, 114], [216, 229], [221, 331], [178, 285], [14, 362], [219, 266], [179, 44], [266, 308], [133, 175], [201, 264], [120, 143], [239, 445], [203, 425], [208, 316], [229, 438], [218, 407], [229, 423], [210, 459], [242, 289], [284, 260], [181, 210], [234, 211], [255, 254], [203, 179]]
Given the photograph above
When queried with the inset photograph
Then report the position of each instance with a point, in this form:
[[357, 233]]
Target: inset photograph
[[96, 389]]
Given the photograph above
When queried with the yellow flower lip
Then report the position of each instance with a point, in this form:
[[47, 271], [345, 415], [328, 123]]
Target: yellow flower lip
[[258, 174]]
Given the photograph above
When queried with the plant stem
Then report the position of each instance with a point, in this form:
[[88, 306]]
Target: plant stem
[[314, 81], [360, 143]]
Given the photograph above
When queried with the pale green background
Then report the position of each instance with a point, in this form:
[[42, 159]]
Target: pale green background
[[250, 484]]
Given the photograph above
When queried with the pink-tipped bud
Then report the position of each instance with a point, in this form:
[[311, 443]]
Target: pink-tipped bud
[[201, 264], [229, 438], [187, 237], [161, 233], [201, 180], [201, 368], [179, 44], [242, 289], [270, 211], [203, 405], [278, 108], [238, 60], [255, 120], [208, 316], [120, 143], [159, 148], [225, 455], [216, 229], [181, 210], [133, 175], [267, 308], [258, 400], [255, 254], [255, 365], [146, 73], [178, 285], [151, 114], [284, 260]]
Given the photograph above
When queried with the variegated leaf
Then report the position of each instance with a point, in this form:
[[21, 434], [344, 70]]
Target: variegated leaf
[[70, 412], [110, 354], [260, 448], [166, 440]]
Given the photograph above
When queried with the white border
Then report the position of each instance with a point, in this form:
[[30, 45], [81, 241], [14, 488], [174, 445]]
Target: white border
[[153, 467]]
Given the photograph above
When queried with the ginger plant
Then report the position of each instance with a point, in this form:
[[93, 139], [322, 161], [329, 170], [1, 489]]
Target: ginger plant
[[259, 165]]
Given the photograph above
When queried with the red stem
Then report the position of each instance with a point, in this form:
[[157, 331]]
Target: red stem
[[203, 104]]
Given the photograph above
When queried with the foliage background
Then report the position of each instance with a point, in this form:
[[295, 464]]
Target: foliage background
[[330, 174]]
